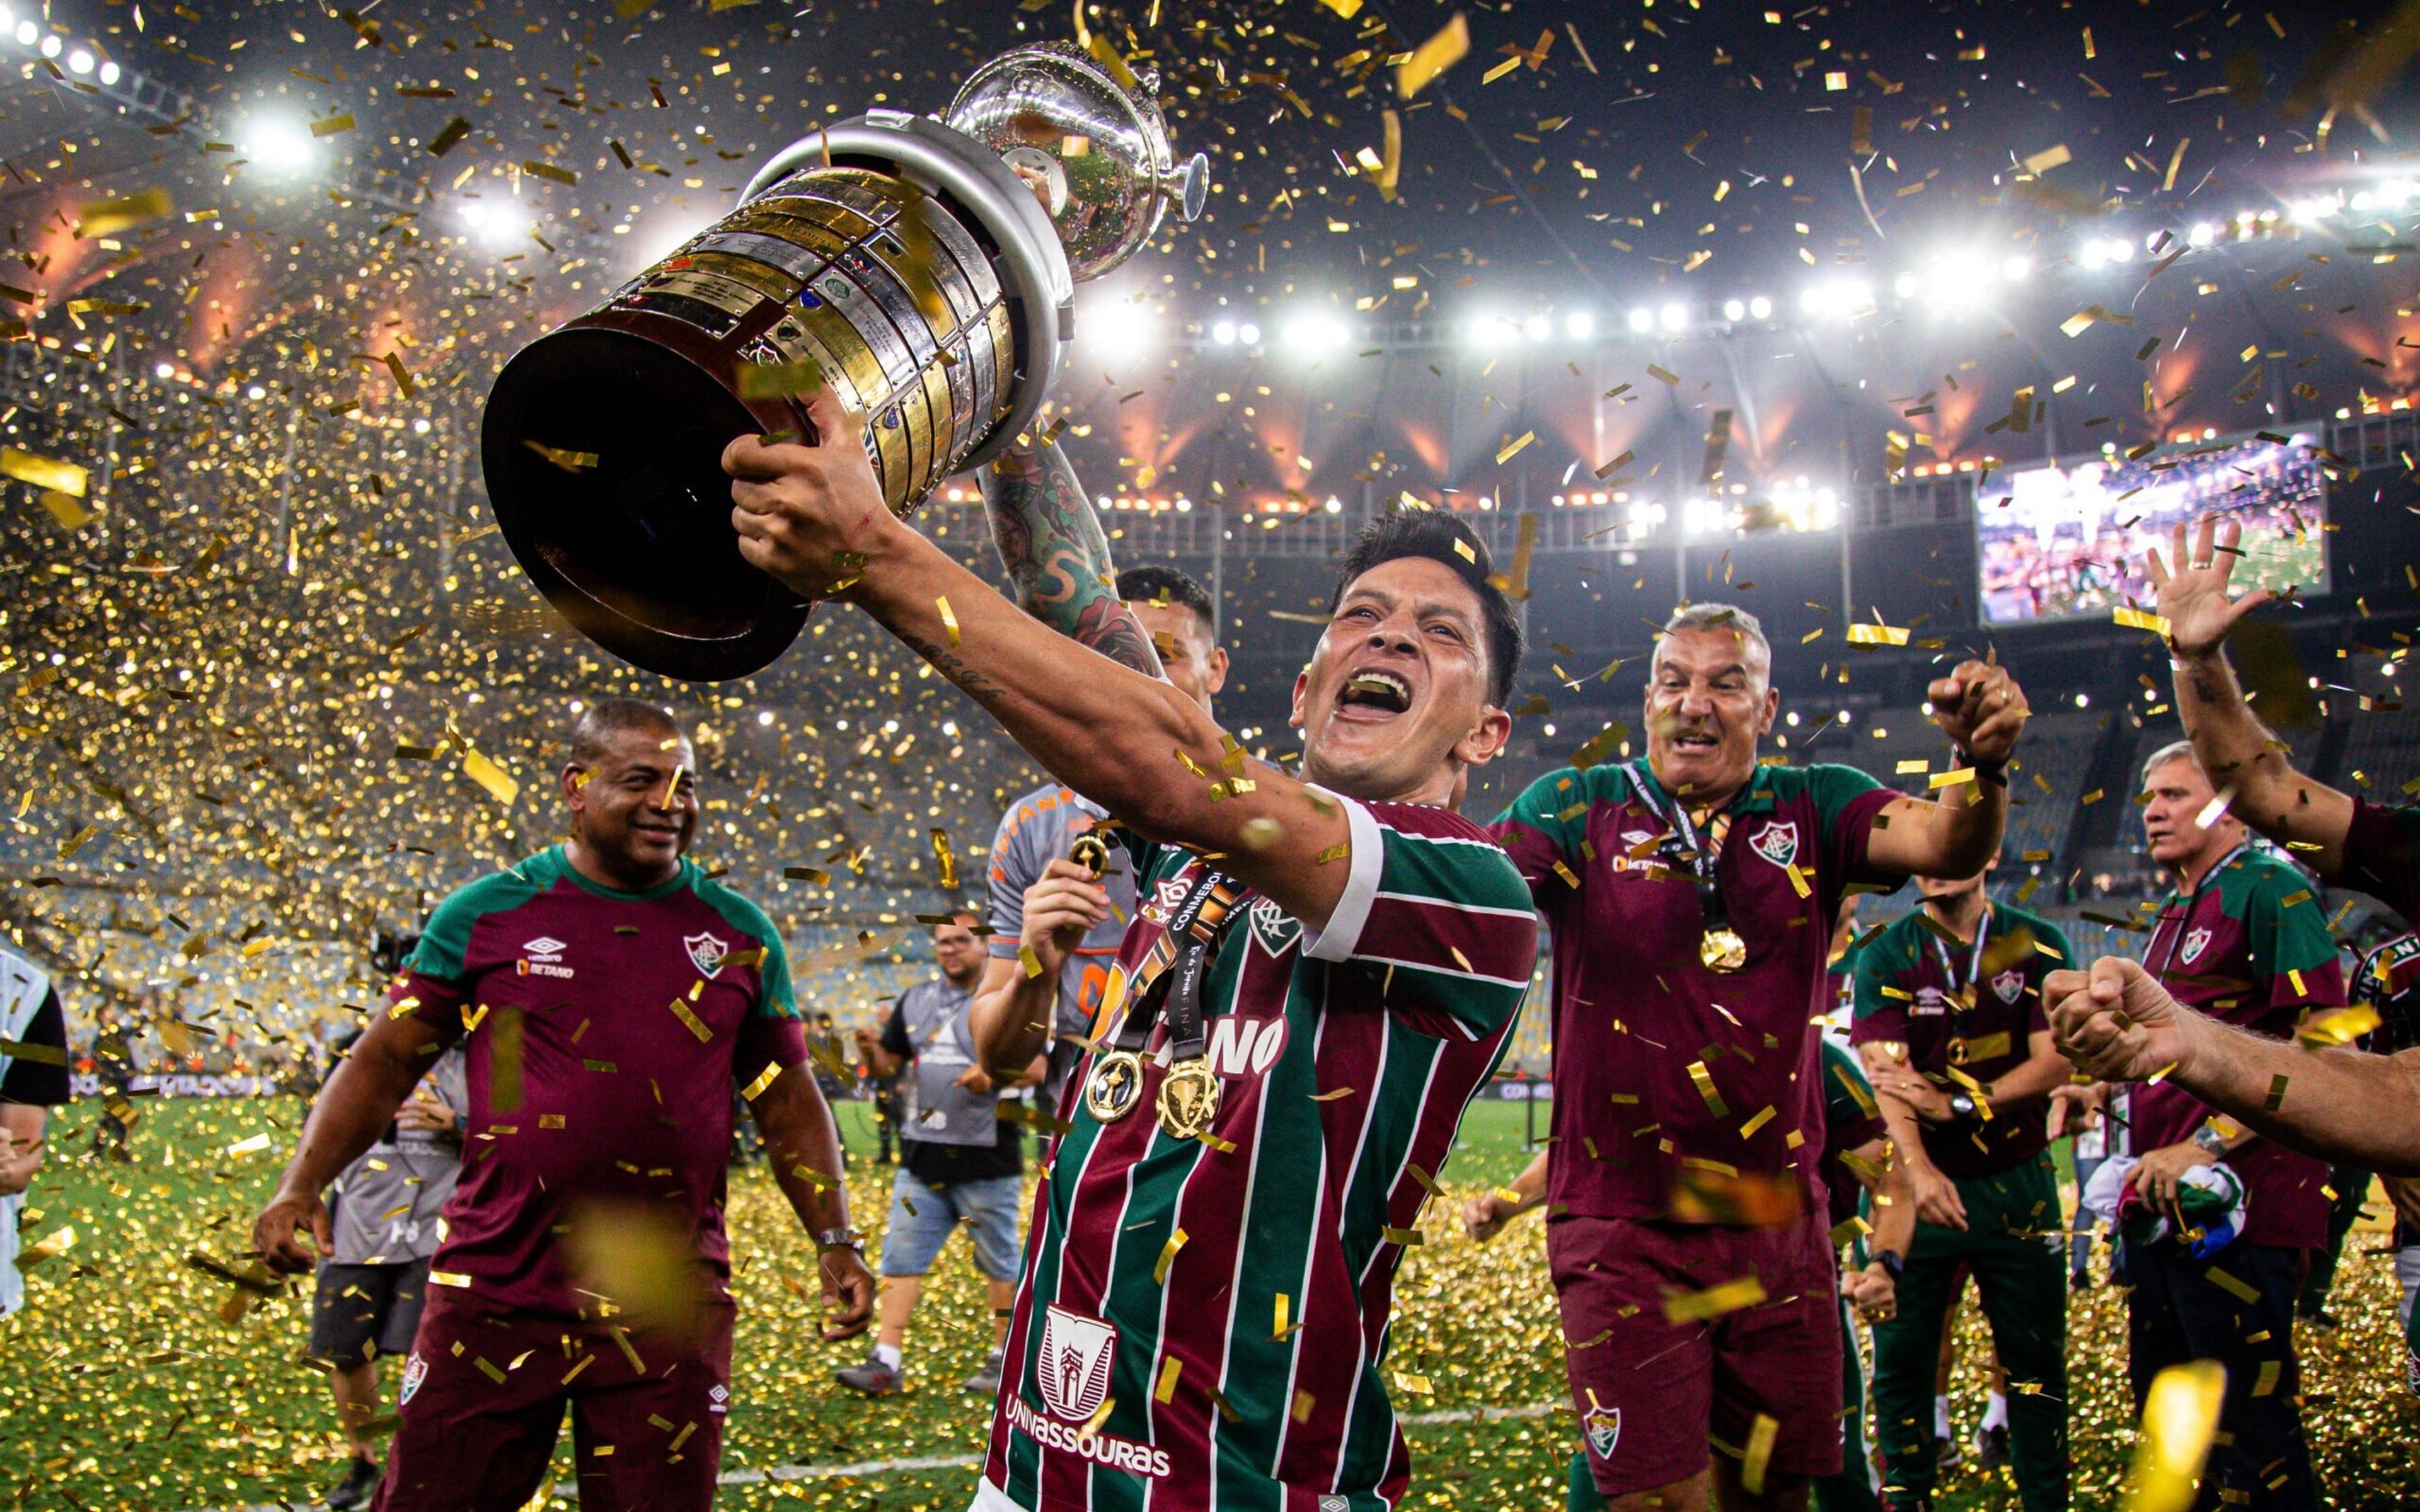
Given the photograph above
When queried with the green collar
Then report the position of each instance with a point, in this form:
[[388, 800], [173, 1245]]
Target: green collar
[[558, 858]]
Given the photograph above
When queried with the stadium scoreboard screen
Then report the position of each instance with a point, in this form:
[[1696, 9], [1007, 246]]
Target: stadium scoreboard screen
[[2069, 539]]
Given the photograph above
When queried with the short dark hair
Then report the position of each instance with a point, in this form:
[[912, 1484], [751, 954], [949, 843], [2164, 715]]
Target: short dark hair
[[599, 723], [1439, 538], [1154, 582]]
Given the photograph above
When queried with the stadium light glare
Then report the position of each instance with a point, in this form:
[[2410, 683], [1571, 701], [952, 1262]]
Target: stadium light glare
[[111, 74], [8, 18], [1579, 326], [1224, 333], [1673, 317], [51, 46], [2093, 254], [1905, 286], [277, 144], [27, 34], [2202, 234], [1536, 328], [1492, 331], [494, 224], [2311, 211], [79, 62], [2121, 250], [1248, 333], [2016, 268], [1760, 307], [1734, 310], [1837, 299], [1314, 333], [163, 370], [1642, 320]]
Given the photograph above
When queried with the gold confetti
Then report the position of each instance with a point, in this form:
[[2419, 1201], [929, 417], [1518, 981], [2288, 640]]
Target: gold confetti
[[2180, 1419], [1700, 1306], [1448, 47]]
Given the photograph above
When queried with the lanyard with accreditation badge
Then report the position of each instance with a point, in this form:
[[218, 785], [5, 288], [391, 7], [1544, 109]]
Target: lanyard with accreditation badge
[[1719, 946], [1962, 991], [1168, 991]]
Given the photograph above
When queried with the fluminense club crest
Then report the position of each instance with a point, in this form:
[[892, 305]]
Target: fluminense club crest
[[1073, 1367], [1602, 1426], [2196, 941], [1778, 842], [2008, 985], [706, 952]]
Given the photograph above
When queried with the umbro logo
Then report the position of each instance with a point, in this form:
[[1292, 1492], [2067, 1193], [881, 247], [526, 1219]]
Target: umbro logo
[[542, 956]]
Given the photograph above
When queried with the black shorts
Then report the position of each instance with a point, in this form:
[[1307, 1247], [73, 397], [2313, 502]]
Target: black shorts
[[361, 1311]]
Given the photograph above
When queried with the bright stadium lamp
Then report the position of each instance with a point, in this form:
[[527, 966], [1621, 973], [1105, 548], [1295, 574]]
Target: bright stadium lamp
[[1536, 328], [494, 224], [1579, 326], [1224, 333], [1734, 310], [277, 144], [1488, 331], [1314, 333], [1760, 308], [1673, 317], [1248, 333], [2121, 250], [2016, 268], [1642, 320]]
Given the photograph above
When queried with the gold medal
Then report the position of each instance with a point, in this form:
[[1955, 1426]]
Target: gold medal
[[1188, 1100], [1115, 1086], [1722, 949], [1957, 1051]]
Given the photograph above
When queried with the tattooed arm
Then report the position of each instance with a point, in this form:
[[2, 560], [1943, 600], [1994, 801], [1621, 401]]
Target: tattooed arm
[[1050, 542]]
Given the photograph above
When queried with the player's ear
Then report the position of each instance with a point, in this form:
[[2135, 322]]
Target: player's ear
[[575, 780]]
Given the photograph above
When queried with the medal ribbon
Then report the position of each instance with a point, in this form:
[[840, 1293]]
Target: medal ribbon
[[1192, 934], [1684, 846]]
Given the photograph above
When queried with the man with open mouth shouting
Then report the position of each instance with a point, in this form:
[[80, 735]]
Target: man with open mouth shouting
[[1320, 977], [1691, 895]]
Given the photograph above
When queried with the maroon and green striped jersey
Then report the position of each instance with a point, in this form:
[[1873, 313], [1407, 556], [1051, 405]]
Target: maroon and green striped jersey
[[2382, 855], [1660, 1062], [604, 1031], [1201, 1321], [2250, 946], [1974, 1006]]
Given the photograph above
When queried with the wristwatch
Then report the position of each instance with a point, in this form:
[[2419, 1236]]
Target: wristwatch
[[833, 1238], [2213, 1144], [1894, 1265], [1962, 1104]]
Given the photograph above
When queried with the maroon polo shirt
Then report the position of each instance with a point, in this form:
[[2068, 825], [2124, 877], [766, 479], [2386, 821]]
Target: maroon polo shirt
[[625, 1018], [1659, 1061]]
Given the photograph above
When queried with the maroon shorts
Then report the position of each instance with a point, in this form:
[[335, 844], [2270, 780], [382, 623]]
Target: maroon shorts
[[1651, 1392], [483, 1397]]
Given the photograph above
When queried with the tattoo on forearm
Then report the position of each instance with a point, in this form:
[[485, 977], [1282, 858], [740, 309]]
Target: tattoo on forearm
[[1050, 543], [977, 685]]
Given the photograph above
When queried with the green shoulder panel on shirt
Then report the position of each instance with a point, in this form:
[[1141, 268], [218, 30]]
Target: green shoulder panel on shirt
[[1881, 962], [2047, 935], [2284, 935], [1557, 805], [1848, 1096], [774, 970], [446, 936], [1831, 786]]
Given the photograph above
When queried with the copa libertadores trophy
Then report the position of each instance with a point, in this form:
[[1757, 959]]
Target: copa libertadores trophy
[[924, 269]]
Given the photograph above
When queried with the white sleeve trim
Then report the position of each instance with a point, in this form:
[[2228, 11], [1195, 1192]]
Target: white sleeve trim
[[1341, 934]]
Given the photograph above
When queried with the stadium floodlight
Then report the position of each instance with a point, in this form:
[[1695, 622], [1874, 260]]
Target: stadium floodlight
[[1905, 286], [1760, 308], [1314, 333], [27, 34], [2121, 250], [1734, 310], [111, 72], [8, 18], [2093, 254], [496, 223], [277, 144], [2311, 211], [1839, 299], [1673, 317], [1798, 505], [1492, 331], [1579, 326], [1248, 333], [1705, 517], [2016, 268], [79, 62], [1642, 320], [1224, 333], [2201, 234], [163, 370], [1536, 328], [51, 46]]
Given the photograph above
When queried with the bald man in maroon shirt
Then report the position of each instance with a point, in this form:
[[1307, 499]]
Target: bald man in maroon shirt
[[608, 997]]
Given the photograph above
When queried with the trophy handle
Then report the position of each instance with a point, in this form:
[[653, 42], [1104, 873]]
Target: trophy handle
[[1187, 185]]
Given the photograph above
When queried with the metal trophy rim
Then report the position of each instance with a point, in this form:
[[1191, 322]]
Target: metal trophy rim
[[946, 162]]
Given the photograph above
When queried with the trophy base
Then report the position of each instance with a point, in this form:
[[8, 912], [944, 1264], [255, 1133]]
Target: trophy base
[[609, 447]]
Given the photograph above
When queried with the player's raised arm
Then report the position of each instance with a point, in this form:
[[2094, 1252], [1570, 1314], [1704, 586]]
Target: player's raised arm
[[1050, 543], [2235, 748], [1956, 834], [1401, 646]]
